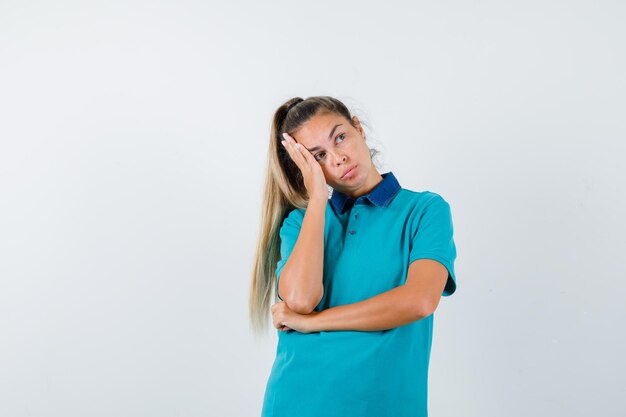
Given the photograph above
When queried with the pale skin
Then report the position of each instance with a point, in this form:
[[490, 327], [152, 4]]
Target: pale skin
[[325, 148]]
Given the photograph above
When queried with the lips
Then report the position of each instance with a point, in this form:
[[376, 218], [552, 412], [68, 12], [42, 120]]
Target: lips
[[348, 171]]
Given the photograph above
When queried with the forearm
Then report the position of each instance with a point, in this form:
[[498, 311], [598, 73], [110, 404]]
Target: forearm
[[300, 283], [393, 308]]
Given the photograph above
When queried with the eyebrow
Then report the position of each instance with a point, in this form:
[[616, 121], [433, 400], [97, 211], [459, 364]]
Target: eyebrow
[[330, 135]]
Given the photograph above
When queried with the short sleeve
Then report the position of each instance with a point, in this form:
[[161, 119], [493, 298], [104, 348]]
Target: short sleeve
[[432, 238], [289, 232]]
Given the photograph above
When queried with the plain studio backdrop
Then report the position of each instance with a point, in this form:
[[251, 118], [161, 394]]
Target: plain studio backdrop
[[134, 138]]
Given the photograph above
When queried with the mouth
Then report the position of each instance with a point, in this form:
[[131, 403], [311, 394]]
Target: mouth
[[348, 172]]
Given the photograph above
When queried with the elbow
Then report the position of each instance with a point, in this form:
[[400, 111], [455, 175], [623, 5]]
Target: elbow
[[301, 308], [425, 309], [301, 302], [302, 305], [420, 308]]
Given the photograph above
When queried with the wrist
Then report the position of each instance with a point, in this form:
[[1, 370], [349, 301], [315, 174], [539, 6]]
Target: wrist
[[318, 201], [312, 322]]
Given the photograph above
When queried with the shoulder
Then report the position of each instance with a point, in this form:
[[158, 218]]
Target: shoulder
[[421, 199], [294, 215]]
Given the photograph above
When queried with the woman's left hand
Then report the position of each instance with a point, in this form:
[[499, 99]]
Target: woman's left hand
[[285, 318]]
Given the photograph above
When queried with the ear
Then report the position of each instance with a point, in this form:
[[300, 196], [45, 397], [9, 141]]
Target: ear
[[355, 121]]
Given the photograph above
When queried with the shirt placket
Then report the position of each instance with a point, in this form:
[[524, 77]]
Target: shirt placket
[[353, 221]]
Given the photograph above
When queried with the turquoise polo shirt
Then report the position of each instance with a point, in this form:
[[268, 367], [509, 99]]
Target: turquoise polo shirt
[[369, 243]]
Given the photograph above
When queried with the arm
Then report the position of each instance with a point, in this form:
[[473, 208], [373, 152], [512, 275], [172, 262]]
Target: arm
[[416, 299], [300, 284]]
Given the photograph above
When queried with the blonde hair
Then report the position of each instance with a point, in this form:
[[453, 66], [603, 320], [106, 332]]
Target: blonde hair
[[284, 190]]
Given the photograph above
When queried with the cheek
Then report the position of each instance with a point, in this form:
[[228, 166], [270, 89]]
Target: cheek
[[359, 150], [329, 173]]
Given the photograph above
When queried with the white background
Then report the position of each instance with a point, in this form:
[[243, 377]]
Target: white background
[[133, 143]]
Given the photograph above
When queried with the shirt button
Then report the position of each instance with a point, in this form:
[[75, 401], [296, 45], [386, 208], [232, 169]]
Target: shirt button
[[356, 216], [352, 232]]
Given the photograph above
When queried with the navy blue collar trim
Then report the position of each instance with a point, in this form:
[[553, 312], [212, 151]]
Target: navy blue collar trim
[[380, 196]]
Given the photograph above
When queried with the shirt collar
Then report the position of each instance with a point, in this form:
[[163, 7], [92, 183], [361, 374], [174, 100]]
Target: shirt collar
[[380, 196]]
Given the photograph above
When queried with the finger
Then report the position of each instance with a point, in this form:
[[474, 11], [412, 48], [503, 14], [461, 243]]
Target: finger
[[288, 137], [298, 148], [295, 152], [304, 155], [308, 155]]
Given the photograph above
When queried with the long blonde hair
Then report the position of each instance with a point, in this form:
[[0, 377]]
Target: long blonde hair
[[284, 190]]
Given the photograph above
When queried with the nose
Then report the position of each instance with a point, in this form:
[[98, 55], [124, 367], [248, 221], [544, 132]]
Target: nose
[[340, 159]]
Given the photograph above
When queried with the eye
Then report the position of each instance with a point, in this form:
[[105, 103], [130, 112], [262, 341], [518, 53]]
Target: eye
[[343, 135]]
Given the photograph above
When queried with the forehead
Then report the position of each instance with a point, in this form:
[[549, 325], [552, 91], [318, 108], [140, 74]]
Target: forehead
[[316, 130]]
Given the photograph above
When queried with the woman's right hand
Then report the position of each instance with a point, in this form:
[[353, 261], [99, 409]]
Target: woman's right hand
[[314, 179]]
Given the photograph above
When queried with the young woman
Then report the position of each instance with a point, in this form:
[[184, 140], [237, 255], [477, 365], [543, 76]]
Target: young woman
[[357, 276]]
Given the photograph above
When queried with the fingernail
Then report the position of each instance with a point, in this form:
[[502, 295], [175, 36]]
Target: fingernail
[[283, 142]]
